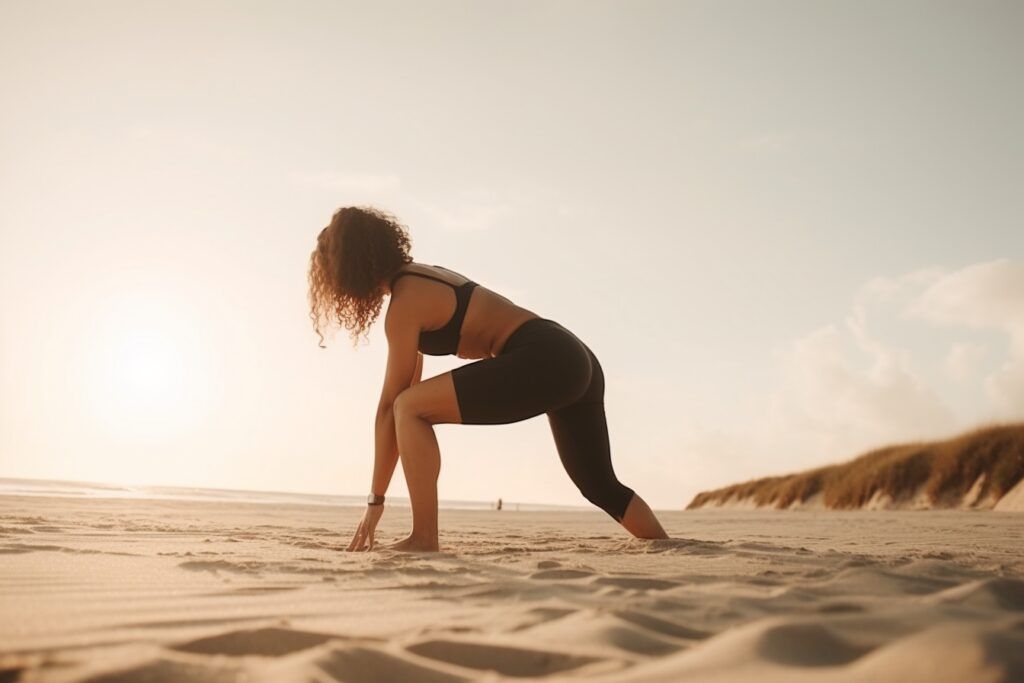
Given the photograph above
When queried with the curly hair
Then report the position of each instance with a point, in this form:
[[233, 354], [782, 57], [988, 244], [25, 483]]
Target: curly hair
[[355, 255]]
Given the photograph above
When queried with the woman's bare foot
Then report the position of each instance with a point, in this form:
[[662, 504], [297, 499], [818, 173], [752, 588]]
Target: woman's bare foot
[[640, 521], [415, 545]]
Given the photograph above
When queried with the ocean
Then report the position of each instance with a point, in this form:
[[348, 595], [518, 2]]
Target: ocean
[[77, 489]]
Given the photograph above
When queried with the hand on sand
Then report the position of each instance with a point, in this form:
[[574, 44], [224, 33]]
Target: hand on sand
[[363, 538]]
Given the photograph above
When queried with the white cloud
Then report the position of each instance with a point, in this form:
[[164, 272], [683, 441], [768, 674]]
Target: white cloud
[[963, 359], [874, 379], [845, 391], [982, 295], [1005, 388], [901, 290], [987, 296]]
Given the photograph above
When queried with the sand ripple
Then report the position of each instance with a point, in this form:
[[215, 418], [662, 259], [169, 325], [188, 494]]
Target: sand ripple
[[119, 591]]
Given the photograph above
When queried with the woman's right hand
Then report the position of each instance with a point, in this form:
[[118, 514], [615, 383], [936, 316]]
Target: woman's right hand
[[363, 538]]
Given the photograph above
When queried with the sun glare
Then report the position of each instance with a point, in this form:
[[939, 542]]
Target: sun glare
[[149, 376]]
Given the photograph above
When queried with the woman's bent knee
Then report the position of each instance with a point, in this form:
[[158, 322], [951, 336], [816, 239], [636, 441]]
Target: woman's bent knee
[[404, 405]]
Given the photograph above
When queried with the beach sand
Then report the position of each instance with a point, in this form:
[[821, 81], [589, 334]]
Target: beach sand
[[149, 590]]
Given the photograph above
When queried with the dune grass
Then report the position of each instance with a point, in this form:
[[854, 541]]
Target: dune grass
[[943, 470]]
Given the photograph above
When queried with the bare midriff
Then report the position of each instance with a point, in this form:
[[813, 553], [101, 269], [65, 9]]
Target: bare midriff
[[490, 321], [490, 318]]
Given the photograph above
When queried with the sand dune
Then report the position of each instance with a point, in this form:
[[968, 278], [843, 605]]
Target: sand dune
[[118, 591], [980, 470]]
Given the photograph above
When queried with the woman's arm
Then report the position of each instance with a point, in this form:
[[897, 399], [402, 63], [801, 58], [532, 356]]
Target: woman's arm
[[385, 452], [405, 367], [418, 375], [403, 358]]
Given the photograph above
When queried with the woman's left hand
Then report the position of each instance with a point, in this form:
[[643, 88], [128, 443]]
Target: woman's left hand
[[363, 538]]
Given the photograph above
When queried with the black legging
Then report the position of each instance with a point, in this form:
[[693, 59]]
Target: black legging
[[545, 368]]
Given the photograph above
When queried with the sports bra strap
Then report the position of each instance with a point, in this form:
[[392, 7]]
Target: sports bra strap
[[409, 272], [428, 276]]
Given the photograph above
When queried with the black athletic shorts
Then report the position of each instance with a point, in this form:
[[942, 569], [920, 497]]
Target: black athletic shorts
[[545, 368]]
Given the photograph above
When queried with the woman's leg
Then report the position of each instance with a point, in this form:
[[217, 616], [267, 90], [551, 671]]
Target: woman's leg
[[511, 387], [581, 436], [640, 521], [417, 410], [542, 371]]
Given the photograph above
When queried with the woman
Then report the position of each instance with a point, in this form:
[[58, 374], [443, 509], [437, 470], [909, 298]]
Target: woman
[[529, 365]]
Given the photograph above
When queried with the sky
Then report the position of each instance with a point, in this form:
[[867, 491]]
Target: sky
[[790, 231]]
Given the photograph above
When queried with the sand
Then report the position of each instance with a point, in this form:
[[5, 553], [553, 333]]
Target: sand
[[143, 590], [1013, 501]]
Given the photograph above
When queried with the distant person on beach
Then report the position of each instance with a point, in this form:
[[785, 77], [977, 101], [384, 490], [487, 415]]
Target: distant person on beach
[[499, 504], [525, 366]]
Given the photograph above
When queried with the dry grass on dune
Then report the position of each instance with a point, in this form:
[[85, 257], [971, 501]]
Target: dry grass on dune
[[943, 470]]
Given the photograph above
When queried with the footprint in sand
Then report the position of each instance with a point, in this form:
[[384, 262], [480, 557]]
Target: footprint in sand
[[268, 642], [636, 583], [561, 574], [1001, 593], [542, 615], [21, 548], [168, 671], [257, 590], [214, 566], [807, 645], [366, 665], [839, 608], [508, 661], [662, 626]]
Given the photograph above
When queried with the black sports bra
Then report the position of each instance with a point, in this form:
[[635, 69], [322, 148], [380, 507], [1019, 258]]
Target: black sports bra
[[444, 341]]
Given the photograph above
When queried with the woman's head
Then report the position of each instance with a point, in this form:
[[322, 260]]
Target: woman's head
[[355, 256]]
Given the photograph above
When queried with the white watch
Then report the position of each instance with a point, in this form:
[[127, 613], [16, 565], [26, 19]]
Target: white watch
[[374, 499]]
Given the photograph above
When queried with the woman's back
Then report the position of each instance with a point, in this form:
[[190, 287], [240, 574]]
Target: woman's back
[[489, 318]]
